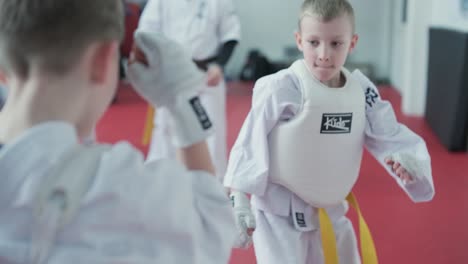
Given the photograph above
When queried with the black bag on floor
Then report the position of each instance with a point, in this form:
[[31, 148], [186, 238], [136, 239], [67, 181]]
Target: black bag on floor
[[256, 66]]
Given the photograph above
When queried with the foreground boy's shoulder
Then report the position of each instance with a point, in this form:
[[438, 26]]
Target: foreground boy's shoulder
[[269, 84]]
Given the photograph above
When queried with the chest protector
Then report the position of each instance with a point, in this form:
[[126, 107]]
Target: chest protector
[[317, 154]]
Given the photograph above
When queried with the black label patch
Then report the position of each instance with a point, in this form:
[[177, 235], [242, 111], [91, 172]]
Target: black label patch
[[232, 200], [202, 116], [336, 123], [300, 220]]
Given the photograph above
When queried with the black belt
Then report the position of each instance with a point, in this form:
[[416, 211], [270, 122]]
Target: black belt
[[203, 64]]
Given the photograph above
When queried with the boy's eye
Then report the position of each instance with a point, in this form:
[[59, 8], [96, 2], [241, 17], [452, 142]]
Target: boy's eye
[[314, 43], [336, 43]]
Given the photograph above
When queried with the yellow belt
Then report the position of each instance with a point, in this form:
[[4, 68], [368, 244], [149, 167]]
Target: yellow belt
[[330, 252], [148, 125]]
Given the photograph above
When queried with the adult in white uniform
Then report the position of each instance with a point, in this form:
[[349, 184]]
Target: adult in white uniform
[[287, 227], [209, 30], [62, 202]]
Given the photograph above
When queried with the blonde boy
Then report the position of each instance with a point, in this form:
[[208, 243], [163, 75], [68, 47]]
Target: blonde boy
[[301, 145]]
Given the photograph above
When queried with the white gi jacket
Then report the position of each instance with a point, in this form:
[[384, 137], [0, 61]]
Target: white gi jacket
[[277, 98], [199, 25], [133, 212]]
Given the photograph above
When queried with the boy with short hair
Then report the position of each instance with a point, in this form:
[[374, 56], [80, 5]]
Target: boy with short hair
[[62, 202], [299, 151]]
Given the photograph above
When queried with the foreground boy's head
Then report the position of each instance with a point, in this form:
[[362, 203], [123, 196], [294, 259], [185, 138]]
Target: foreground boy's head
[[70, 45], [326, 36]]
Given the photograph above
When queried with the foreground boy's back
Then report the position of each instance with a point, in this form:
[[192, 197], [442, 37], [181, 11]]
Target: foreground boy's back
[[59, 59]]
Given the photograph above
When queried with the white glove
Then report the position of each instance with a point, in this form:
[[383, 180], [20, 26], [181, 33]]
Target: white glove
[[245, 220], [171, 80], [416, 168]]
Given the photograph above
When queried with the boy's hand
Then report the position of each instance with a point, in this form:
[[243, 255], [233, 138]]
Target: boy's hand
[[399, 170], [214, 75], [136, 55], [245, 220], [163, 73]]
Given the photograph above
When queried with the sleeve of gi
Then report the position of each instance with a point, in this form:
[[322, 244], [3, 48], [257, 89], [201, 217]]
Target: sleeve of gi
[[275, 97], [386, 137], [229, 25]]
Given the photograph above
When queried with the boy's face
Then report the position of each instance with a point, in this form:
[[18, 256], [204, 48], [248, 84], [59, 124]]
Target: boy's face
[[326, 45]]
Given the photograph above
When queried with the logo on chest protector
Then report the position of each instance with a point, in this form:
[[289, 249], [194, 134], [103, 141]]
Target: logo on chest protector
[[336, 123]]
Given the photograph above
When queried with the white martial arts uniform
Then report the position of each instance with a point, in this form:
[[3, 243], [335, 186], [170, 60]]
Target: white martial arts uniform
[[287, 227], [201, 26], [133, 212]]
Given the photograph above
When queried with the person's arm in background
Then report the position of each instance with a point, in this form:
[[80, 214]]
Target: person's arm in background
[[195, 156], [229, 31], [225, 52], [172, 83], [215, 70]]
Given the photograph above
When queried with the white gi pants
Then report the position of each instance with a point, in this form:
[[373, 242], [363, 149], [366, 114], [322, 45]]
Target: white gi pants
[[277, 241], [214, 101]]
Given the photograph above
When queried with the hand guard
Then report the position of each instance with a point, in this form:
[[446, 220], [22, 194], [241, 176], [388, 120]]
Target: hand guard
[[411, 164], [168, 78], [245, 220]]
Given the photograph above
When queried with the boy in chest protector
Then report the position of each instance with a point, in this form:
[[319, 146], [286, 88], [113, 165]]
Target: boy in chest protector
[[301, 145], [63, 202]]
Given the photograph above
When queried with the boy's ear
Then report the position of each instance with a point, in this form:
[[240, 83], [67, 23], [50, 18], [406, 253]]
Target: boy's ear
[[103, 61], [298, 37], [354, 41]]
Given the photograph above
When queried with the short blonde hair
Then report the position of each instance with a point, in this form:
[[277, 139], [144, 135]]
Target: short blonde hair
[[54, 33], [327, 10]]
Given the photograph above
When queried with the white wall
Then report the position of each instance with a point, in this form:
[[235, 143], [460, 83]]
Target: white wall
[[410, 53], [270, 24], [411, 46], [398, 50], [447, 14], [416, 59], [373, 25], [267, 25]]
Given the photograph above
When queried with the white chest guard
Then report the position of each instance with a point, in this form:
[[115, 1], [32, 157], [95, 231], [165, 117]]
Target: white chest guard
[[317, 154]]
